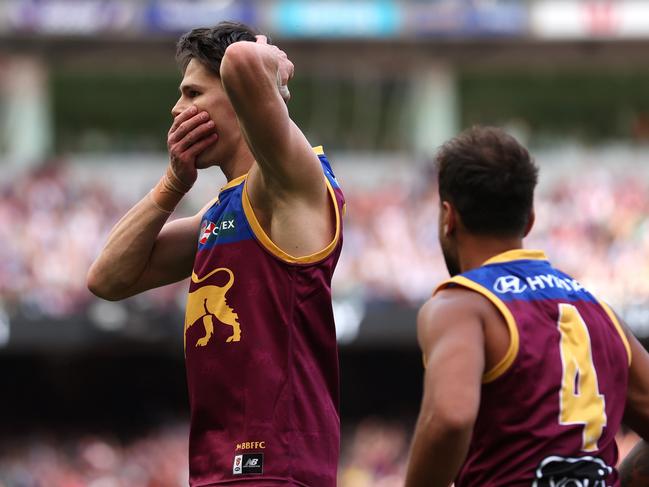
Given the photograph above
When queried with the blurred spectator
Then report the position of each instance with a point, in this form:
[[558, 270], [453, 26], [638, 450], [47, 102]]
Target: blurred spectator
[[374, 454], [51, 228], [155, 460], [593, 225]]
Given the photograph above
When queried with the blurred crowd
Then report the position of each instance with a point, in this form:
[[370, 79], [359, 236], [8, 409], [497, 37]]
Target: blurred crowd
[[50, 230], [158, 459], [374, 454], [52, 226], [593, 225]]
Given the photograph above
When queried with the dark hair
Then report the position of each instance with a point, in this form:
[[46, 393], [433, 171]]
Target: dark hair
[[490, 179], [208, 45]]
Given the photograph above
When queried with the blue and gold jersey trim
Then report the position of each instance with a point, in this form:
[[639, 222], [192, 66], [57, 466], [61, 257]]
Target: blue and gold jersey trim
[[516, 254], [525, 276], [270, 246], [234, 182], [512, 350]]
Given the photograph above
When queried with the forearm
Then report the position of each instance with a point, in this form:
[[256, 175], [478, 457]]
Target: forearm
[[127, 251], [130, 245], [634, 470], [437, 454], [255, 78], [252, 75]]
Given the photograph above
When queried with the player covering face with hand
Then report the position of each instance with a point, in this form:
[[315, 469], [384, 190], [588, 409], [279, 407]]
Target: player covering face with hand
[[527, 375], [260, 344]]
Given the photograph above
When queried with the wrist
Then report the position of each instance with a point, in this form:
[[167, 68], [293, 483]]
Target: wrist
[[175, 182], [168, 192]]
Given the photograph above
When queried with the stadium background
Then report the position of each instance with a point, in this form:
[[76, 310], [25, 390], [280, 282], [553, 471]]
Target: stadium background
[[93, 393]]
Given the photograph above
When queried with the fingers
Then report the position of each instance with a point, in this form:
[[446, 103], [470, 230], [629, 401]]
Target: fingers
[[186, 126], [189, 138], [203, 130], [284, 92], [184, 115], [200, 146], [286, 68], [291, 70], [284, 75]]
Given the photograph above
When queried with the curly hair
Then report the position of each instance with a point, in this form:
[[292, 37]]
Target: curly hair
[[208, 44], [490, 179]]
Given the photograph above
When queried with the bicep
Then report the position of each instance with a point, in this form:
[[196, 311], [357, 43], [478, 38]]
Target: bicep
[[637, 406], [452, 340]]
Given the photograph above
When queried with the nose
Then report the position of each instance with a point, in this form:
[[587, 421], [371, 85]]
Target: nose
[[178, 108]]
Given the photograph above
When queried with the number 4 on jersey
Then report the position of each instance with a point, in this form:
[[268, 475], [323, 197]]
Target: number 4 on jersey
[[579, 399]]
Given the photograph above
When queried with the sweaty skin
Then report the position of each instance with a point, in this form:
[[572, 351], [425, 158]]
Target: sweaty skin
[[239, 121]]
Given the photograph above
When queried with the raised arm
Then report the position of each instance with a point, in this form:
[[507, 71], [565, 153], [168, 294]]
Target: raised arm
[[452, 340], [255, 76], [143, 251], [286, 186], [634, 470]]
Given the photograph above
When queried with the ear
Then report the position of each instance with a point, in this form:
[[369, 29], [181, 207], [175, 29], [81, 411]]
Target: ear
[[530, 222], [449, 220]]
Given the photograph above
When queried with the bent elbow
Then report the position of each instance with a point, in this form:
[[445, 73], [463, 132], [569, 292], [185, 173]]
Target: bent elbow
[[450, 422], [458, 423], [97, 285], [239, 59]]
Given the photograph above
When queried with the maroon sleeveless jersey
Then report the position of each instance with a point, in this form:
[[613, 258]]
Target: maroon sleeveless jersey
[[549, 411], [261, 353]]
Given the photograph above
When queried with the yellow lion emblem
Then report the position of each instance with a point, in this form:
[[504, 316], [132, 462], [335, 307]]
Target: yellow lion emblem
[[209, 301]]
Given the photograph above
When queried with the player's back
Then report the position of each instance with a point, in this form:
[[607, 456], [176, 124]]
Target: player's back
[[551, 407]]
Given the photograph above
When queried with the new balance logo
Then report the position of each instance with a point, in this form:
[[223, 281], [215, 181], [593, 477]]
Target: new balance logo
[[248, 464]]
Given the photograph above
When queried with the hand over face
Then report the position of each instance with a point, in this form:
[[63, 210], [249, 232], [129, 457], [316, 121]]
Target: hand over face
[[190, 134]]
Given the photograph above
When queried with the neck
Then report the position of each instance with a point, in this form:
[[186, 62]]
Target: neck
[[239, 164], [476, 250]]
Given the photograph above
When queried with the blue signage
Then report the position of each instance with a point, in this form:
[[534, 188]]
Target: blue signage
[[466, 18], [184, 15], [77, 17], [338, 18]]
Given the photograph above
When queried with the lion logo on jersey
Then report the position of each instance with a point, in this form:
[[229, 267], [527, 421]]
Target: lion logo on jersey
[[209, 302], [558, 471]]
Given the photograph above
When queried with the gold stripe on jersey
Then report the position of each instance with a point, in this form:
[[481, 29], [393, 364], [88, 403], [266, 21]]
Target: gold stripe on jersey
[[274, 249], [234, 182], [618, 327], [512, 351], [517, 254]]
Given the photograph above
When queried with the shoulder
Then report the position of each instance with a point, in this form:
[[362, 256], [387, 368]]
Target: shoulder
[[455, 299], [452, 309]]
